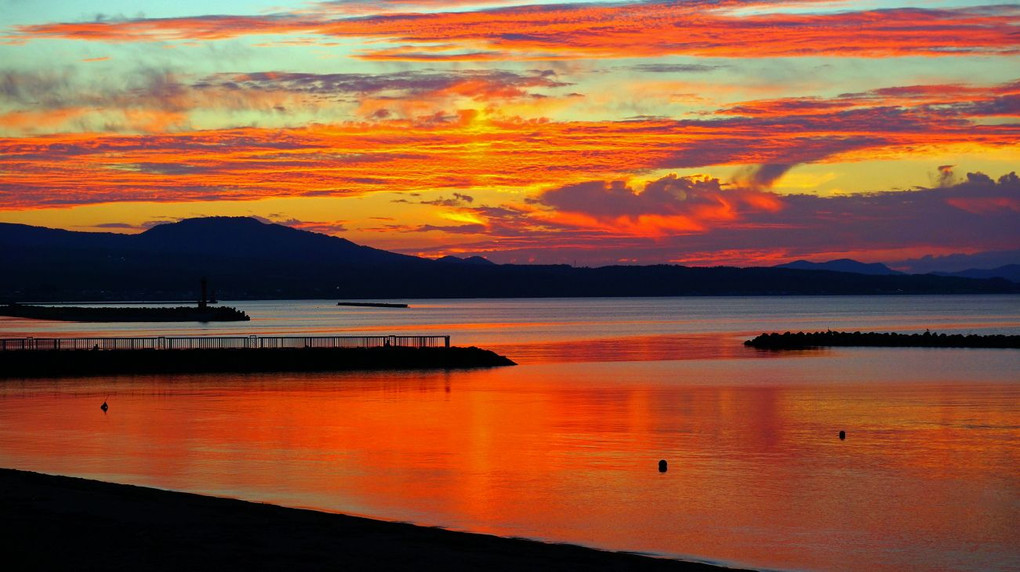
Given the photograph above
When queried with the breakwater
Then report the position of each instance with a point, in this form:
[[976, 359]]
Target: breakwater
[[802, 340], [125, 313], [55, 357]]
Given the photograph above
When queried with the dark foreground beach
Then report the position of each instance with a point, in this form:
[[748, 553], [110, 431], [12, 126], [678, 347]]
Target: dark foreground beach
[[64, 523]]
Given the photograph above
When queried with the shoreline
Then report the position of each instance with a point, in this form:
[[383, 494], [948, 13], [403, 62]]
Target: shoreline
[[65, 523]]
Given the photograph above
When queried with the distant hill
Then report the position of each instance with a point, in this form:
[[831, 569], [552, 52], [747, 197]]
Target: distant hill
[[243, 237], [469, 260], [241, 256], [213, 237], [959, 262], [247, 259], [843, 265], [1010, 272]]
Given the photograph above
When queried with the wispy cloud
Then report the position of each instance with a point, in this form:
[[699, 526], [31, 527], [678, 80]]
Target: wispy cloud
[[633, 29], [151, 100], [943, 99], [459, 151]]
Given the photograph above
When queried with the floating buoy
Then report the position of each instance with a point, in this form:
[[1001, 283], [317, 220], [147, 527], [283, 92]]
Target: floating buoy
[[104, 407], [842, 435], [662, 466]]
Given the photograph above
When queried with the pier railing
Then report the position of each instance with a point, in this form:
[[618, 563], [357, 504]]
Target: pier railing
[[222, 342]]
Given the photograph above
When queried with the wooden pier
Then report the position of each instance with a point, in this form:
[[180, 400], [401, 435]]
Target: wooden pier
[[72, 357]]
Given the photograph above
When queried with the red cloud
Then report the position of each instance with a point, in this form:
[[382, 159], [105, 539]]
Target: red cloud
[[889, 225], [668, 204], [985, 205]]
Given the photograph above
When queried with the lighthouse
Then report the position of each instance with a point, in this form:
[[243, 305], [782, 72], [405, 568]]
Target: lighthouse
[[202, 300]]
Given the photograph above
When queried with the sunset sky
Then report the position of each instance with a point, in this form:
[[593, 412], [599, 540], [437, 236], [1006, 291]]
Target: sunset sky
[[700, 132]]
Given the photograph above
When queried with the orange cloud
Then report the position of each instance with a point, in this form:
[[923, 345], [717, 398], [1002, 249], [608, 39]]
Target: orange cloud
[[444, 151], [462, 150], [598, 31]]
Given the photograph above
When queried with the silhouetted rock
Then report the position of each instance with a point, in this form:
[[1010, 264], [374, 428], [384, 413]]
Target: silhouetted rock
[[802, 340]]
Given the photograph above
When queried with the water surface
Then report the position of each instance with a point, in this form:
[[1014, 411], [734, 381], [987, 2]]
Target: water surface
[[565, 446]]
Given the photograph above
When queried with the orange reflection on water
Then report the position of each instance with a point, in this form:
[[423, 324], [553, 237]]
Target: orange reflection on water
[[926, 477], [631, 348]]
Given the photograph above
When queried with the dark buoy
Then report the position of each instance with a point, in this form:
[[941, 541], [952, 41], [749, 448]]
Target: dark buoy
[[104, 407], [842, 435], [662, 466]]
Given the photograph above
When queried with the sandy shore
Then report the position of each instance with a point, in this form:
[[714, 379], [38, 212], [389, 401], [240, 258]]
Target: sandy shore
[[64, 523]]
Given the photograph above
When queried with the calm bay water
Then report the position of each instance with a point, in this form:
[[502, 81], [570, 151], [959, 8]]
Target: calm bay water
[[564, 446]]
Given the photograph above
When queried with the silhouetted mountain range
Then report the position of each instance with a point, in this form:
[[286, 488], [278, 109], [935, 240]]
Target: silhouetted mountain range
[[245, 259], [224, 237], [842, 265], [959, 262], [1010, 272]]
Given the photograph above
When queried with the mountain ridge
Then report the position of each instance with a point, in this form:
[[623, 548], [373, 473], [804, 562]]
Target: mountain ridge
[[1010, 272], [244, 258], [842, 265], [249, 238]]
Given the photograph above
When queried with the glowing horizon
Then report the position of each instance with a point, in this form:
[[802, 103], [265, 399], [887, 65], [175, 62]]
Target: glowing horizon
[[735, 132]]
